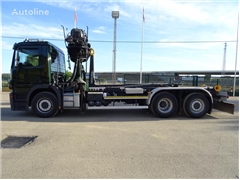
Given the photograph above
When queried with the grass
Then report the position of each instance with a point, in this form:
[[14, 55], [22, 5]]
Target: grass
[[5, 89]]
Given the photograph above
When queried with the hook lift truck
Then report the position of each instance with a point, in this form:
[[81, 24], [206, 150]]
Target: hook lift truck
[[38, 82]]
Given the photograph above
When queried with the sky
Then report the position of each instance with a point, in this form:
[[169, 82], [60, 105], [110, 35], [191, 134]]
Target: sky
[[177, 35]]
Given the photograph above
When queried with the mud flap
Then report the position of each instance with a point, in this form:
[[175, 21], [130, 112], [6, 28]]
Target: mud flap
[[224, 106]]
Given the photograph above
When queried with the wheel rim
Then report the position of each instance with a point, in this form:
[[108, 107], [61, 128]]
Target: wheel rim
[[197, 105], [44, 105], [165, 105]]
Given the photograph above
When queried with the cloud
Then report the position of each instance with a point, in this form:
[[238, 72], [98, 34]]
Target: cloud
[[189, 11], [99, 30], [116, 7], [162, 16], [31, 30], [186, 20], [195, 11], [6, 45], [62, 4], [183, 11], [168, 20]]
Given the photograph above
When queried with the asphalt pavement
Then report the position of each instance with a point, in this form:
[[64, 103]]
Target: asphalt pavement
[[120, 143]]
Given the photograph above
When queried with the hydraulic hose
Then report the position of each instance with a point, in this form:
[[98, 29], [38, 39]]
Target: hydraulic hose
[[74, 72]]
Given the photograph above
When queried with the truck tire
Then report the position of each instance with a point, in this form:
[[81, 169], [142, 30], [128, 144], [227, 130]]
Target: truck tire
[[164, 105], [45, 104], [195, 105]]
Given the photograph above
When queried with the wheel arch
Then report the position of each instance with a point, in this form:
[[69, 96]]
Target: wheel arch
[[206, 93], [169, 106], [181, 93], [40, 88]]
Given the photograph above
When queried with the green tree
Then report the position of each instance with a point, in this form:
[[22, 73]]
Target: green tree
[[32, 60], [68, 74], [5, 77]]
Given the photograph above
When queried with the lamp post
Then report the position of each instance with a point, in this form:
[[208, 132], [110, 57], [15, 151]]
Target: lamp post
[[235, 72], [115, 15]]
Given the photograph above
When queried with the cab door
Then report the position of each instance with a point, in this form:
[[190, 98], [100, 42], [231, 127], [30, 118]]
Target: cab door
[[26, 68]]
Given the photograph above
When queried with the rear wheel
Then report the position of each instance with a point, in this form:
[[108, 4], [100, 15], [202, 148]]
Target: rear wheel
[[164, 105], [44, 104], [195, 105]]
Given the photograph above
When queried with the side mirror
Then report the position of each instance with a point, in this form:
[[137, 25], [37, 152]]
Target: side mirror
[[20, 65]]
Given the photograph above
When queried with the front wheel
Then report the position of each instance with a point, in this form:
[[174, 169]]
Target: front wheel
[[164, 105], [45, 104], [195, 105]]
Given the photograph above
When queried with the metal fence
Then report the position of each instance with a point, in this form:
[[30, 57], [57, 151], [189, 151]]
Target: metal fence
[[225, 82]]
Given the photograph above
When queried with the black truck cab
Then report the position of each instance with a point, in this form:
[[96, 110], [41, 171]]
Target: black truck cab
[[34, 63]]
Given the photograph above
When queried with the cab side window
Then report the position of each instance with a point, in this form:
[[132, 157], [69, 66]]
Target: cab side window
[[58, 61]]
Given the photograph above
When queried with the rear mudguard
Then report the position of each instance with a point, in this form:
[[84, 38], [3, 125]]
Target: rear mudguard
[[224, 106], [168, 89]]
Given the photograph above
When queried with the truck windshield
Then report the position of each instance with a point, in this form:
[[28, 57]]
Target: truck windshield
[[26, 57]]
